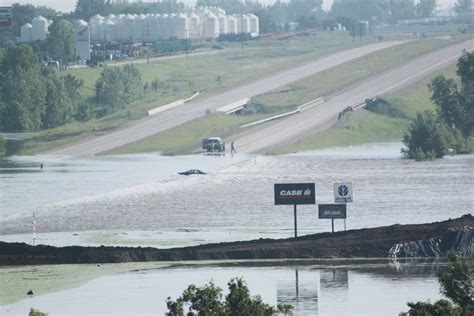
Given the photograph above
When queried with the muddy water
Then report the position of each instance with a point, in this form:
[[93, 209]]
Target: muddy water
[[144, 201], [381, 289]]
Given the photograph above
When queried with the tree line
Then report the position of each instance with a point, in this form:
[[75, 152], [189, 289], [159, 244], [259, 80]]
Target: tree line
[[451, 128], [33, 97]]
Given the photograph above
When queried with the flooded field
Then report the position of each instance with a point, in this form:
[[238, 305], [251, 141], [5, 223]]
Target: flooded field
[[140, 200], [372, 289]]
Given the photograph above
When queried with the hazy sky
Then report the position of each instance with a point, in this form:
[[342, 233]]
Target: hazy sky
[[68, 5]]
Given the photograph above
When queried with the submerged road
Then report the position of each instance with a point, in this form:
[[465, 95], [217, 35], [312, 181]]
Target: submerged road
[[286, 131], [193, 110]]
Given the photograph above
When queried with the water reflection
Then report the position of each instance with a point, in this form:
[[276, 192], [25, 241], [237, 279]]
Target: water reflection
[[370, 289]]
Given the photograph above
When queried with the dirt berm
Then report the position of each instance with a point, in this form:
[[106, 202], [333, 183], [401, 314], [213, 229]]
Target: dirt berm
[[360, 243]]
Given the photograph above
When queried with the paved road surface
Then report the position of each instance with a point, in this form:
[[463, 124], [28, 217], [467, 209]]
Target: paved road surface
[[289, 130], [190, 111]]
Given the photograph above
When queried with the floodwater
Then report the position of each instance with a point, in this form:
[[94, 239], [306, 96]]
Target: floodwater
[[375, 289], [140, 200]]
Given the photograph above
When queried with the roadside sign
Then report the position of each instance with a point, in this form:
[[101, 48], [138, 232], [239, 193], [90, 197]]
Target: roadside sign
[[294, 193], [332, 211], [5, 17], [343, 192]]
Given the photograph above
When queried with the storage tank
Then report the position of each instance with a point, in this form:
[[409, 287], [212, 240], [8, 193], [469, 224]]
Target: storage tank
[[172, 25], [245, 24], [109, 30], [39, 28], [193, 24], [210, 26], [95, 25], [165, 27], [139, 28], [127, 28], [231, 25], [181, 26], [222, 19], [26, 33], [254, 27]]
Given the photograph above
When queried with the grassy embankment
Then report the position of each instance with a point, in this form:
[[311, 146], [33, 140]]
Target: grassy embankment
[[363, 126], [186, 138], [181, 76]]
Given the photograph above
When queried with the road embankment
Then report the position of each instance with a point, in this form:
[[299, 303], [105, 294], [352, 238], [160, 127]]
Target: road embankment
[[360, 243]]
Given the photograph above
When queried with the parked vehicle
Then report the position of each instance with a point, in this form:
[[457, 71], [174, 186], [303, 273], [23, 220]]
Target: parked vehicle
[[213, 144], [191, 171]]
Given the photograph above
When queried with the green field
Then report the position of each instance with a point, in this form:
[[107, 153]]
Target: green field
[[365, 127], [179, 78], [186, 138]]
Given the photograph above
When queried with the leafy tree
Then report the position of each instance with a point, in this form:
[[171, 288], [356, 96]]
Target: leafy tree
[[208, 300], [426, 138], [401, 10], [267, 23], [456, 284], [21, 56], [361, 9], [87, 8], [463, 7], [59, 106], [117, 87], [2, 146], [425, 8], [35, 312], [456, 106], [61, 42]]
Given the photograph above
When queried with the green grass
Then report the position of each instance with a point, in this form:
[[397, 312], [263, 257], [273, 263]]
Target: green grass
[[16, 281], [197, 73], [350, 73], [187, 138], [365, 127]]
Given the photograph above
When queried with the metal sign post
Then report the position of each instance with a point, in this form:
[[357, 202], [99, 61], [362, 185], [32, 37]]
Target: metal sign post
[[343, 194], [294, 193]]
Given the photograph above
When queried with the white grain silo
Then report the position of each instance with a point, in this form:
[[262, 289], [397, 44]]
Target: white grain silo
[[181, 26], [245, 24], [165, 22], [83, 40], [95, 25], [222, 19], [193, 23], [109, 30], [26, 33], [139, 28], [127, 28], [231, 25], [39, 29], [210, 26], [172, 25], [254, 27]]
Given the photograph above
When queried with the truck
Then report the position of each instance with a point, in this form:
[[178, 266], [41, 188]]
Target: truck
[[213, 145]]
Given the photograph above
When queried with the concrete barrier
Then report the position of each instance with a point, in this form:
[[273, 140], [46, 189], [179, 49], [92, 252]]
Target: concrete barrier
[[233, 107], [171, 105]]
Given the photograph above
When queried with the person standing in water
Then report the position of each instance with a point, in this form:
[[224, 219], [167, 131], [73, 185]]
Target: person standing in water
[[232, 148]]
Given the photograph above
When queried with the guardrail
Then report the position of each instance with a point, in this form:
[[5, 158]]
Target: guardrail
[[301, 108], [171, 105], [358, 105]]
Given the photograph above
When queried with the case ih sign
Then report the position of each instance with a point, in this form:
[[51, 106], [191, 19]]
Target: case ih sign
[[5, 17], [294, 193]]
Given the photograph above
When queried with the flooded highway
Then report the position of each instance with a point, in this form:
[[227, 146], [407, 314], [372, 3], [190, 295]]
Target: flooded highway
[[140, 200]]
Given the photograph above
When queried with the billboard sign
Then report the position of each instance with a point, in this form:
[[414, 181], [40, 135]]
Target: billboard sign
[[5, 17], [343, 192], [332, 211], [294, 193]]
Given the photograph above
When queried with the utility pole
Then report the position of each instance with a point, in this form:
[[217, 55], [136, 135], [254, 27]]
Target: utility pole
[[105, 35], [147, 40], [60, 40]]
